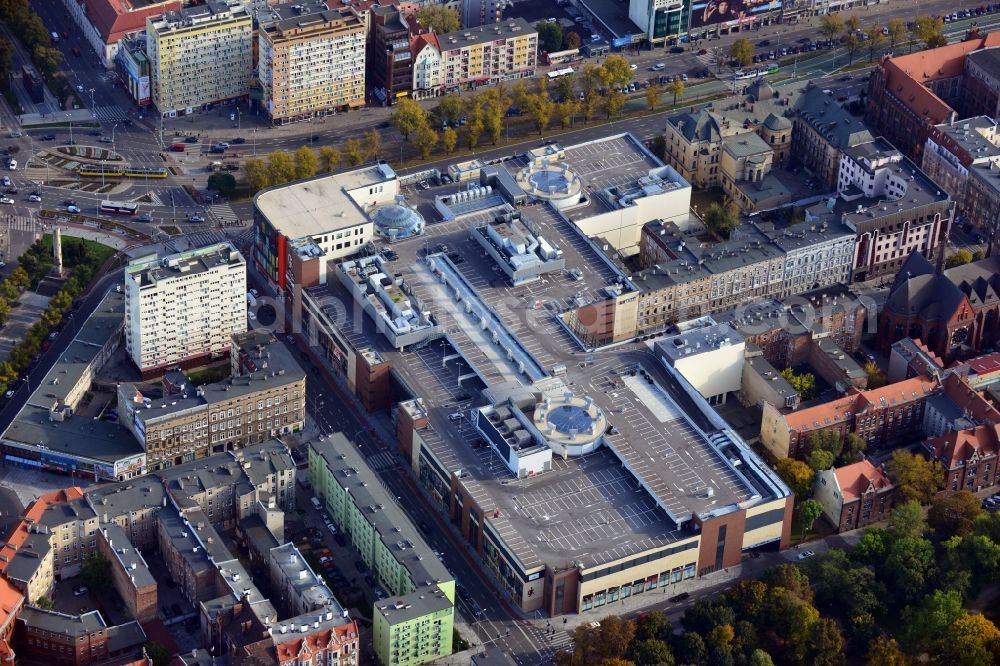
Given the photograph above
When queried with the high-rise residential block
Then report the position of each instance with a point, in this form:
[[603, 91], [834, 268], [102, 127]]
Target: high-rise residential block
[[311, 60], [200, 55], [182, 309]]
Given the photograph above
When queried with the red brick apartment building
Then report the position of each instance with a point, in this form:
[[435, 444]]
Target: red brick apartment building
[[882, 416], [855, 495], [908, 95]]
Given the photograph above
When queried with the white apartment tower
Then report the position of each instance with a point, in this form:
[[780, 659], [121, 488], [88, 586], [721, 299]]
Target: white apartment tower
[[183, 309]]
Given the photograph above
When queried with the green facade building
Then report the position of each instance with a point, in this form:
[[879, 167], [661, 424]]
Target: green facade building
[[413, 625]]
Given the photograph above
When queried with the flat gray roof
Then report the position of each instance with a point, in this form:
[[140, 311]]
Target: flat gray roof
[[61, 623], [149, 270], [507, 29], [76, 436]]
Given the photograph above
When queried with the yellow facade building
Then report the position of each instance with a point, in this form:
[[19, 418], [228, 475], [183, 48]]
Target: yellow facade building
[[199, 55]]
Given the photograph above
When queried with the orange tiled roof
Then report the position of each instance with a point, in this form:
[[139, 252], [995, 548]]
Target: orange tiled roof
[[854, 480], [983, 365], [906, 75], [11, 600], [837, 411], [957, 446], [33, 514], [969, 400], [116, 18], [313, 643]]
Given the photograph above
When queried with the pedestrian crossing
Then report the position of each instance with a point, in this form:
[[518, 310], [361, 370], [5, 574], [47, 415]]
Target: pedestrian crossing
[[110, 114], [549, 643], [203, 238], [381, 461], [20, 223], [223, 213]]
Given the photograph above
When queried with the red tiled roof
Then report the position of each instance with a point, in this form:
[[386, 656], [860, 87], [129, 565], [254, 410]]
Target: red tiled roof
[[116, 18], [422, 40], [957, 446], [11, 601], [969, 400], [983, 365], [838, 411], [854, 480], [906, 75], [313, 643], [19, 533]]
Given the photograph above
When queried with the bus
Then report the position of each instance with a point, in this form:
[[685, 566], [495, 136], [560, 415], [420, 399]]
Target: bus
[[560, 57], [755, 72], [557, 73], [117, 208]]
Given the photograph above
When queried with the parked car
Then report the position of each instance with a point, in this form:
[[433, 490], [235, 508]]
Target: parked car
[[238, 140], [804, 555], [677, 598], [80, 591]]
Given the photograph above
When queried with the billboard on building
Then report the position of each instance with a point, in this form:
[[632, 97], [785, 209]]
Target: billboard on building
[[715, 12]]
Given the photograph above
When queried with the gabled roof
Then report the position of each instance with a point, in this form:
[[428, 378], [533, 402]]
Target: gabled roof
[[34, 514], [116, 18], [956, 446], [969, 400], [983, 365], [979, 281], [831, 414], [702, 125], [857, 479]]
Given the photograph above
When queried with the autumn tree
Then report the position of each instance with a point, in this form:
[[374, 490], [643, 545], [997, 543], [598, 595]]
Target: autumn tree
[[820, 460], [450, 107], [721, 218], [424, 140], [877, 41], [439, 19], [540, 108], [329, 158], [852, 24], [616, 71], [831, 25], [256, 174], [280, 167], [677, 88], [373, 144], [897, 31], [927, 29], [958, 258], [565, 88], [809, 511], [915, 477], [885, 651], [408, 116], [907, 520], [305, 162], [852, 43], [614, 102], [449, 139], [971, 640], [354, 152], [565, 110], [798, 475], [953, 514], [741, 51]]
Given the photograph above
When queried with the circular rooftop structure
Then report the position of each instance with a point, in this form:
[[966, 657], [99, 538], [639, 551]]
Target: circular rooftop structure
[[397, 221], [555, 182], [571, 425]]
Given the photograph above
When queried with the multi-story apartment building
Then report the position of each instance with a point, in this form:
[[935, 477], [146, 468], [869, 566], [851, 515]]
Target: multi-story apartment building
[[49, 637], [661, 20], [854, 495], [882, 416], [982, 201], [183, 309], [133, 68], [390, 61], [952, 151], [892, 206], [687, 279], [744, 170], [297, 238], [427, 71], [311, 60], [981, 84], [413, 624], [488, 54], [200, 55], [821, 131], [103, 24], [910, 94], [177, 422], [476, 13]]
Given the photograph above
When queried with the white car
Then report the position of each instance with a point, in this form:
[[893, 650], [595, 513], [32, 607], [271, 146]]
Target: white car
[[9, 394], [6, 200], [804, 555], [73, 209], [34, 197], [80, 591], [633, 67], [659, 66], [79, 88]]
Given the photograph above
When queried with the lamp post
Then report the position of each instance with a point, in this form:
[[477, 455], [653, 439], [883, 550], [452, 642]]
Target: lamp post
[[93, 104]]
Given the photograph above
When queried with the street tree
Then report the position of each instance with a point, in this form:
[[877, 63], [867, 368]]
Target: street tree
[[47, 60], [450, 108], [614, 637], [474, 122], [373, 144], [653, 93], [831, 25], [915, 476], [565, 110], [280, 167], [798, 475], [927, 29], [354, 151], [493, 115], [852, 43], [306, 162], [565, 88], [540, 108], [718, 57], [424, 140], [677, 88], [329, 158], [852, 24], [953, 514], [616, 71], [690, 649], [590, 81], [408, 116], [439, 19], [653, 624], [550, 36], [449, 139], [614, 102], [741, 51], [809, 510], [897, 31], [223, 183], [255, 172], [877, 41]]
